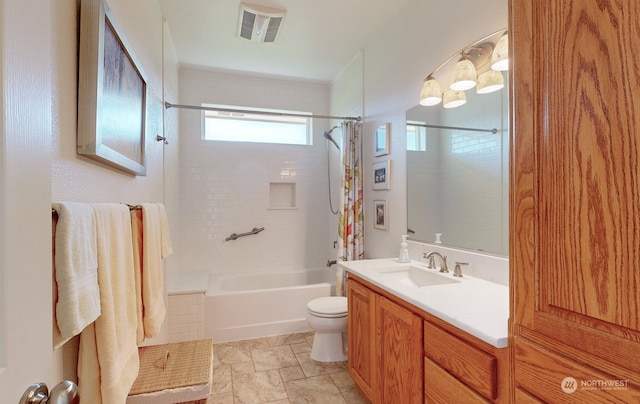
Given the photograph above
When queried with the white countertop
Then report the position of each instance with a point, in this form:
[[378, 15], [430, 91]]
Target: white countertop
[[474, 305]]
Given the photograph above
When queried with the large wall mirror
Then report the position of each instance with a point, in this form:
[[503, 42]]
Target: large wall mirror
[[457, 173]]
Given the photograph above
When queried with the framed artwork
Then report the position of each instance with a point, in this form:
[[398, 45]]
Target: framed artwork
[[382, 139], [112, 93], [382, 175], [380, 209]]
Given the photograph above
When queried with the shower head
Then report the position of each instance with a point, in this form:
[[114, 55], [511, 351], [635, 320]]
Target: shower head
[[327, 135]]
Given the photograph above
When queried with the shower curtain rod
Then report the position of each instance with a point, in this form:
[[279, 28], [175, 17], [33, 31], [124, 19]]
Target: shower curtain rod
[[424, 125], [168, 105]]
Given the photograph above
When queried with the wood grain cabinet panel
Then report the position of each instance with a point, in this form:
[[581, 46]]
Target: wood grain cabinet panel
[[553, 378], [575, 196], [361, 334], [399, 345]]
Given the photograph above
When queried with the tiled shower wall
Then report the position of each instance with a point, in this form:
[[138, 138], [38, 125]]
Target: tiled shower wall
[[232, 187]]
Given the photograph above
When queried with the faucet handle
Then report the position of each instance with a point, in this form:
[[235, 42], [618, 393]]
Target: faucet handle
[[457, 271], [432, 262], [444, 268]]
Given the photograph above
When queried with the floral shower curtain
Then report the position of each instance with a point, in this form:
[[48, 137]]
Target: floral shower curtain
[[351, 217]]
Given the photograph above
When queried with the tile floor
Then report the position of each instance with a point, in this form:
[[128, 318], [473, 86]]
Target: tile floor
[[278, 370]]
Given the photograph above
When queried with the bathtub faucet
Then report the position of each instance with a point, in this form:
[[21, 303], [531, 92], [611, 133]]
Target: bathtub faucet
[[329, 263]]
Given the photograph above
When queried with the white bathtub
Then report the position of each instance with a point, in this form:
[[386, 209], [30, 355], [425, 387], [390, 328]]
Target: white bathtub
[[253, 305]]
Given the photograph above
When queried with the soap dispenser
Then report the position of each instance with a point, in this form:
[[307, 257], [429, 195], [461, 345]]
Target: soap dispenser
[[403, 257]]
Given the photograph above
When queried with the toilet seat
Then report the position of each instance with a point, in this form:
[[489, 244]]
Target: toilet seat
[[328, 307]]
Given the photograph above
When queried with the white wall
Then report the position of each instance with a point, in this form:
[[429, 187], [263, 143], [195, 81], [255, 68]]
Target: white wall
[[40, 164], [77, 178], [224, 187], [423, 35]]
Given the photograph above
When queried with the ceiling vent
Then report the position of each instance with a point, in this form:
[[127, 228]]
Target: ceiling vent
[[259, 23]]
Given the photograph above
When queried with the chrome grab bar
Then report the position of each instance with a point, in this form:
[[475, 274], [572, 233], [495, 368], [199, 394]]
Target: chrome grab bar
[[235, 236]]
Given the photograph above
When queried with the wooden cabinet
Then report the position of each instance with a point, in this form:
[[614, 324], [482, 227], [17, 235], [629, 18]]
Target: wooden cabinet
[[361, 334], [575, 200], [401, 354], [462, 368], [399, 363], [385, 341], [469, 365]]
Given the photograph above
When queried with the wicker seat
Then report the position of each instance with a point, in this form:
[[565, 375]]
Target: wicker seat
[[175, 371]]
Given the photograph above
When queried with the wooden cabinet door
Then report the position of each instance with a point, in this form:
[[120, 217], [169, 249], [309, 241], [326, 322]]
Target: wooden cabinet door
[[361, 333], [399, 348], [575, 194]]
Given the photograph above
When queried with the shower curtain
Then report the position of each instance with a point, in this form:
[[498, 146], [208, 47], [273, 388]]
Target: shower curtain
[[351, 217]]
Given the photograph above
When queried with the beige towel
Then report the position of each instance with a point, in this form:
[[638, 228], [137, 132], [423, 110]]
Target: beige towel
[[75, 267], [136, 231], [156, 245], [108, 361]]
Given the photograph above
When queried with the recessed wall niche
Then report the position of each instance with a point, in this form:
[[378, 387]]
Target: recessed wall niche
[[282, 195]]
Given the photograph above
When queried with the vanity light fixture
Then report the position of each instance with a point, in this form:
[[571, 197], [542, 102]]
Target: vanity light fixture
[[479, 65], [464, 75], [430, 94], [490, 81], [453, 99], [500, 55]]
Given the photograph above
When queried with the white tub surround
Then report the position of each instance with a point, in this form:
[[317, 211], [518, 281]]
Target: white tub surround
[[472, 304], [242, 282], [185, 312]]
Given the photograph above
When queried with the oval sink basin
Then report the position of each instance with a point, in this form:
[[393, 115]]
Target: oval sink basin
[[416, 277]]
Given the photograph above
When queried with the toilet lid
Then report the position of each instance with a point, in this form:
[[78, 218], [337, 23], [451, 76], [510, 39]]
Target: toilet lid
[[332, 306]]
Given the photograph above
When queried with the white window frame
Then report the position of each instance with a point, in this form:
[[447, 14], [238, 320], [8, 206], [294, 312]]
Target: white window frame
[[262, 115]]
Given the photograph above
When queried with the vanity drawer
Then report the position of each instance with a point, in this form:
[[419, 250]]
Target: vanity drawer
[[441, 387], [472, 366]]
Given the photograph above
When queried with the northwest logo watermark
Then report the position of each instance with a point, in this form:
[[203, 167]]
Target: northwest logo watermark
[[570, 385]]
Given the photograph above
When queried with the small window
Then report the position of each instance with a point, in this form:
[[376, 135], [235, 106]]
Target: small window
[[416, 137], [276, 126]]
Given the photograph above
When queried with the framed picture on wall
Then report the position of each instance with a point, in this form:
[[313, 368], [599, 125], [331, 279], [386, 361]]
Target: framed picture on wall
[[381, 143], [112, 93], [382, 175], [380, 209]]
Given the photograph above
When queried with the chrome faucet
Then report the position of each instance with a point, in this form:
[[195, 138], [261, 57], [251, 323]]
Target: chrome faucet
[[330, 263], [443, 260]]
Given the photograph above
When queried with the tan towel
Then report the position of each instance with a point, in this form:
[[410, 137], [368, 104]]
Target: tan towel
[[156, 245], [108, 361], [136, 231], [75, 267]]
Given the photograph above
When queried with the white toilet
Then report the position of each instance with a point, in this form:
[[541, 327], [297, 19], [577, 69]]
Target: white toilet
[[328, 317]]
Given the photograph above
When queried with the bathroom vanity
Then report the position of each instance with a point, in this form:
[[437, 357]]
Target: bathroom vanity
[[416, 335]]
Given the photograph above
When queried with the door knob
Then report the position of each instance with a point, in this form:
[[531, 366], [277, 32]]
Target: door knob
[[36, 393], [65, 392]]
